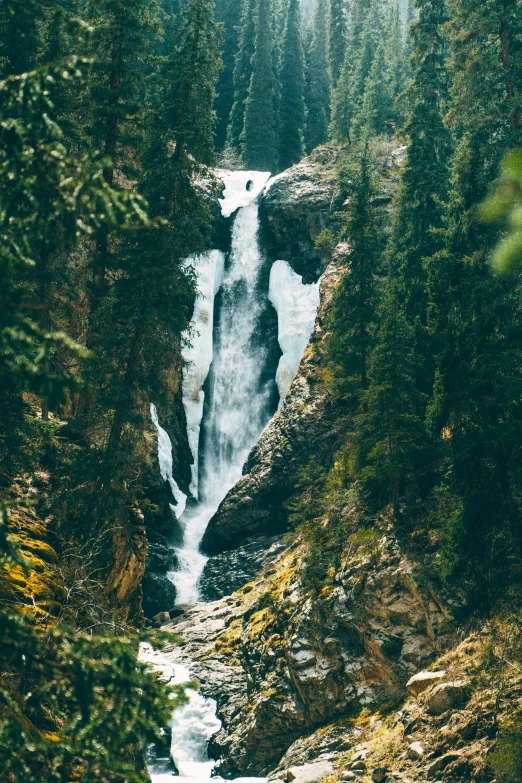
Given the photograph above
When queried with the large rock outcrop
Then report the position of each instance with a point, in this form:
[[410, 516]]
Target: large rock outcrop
[[296, 208], [280, 662]]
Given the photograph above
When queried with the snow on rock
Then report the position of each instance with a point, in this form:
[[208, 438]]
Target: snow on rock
[[165, 464], [296, 306], [198, 348], [236, 193]]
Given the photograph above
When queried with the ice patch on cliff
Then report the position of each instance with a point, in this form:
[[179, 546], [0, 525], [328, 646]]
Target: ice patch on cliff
[[165, 464], [198, 348], [296, 306], [236, 194]]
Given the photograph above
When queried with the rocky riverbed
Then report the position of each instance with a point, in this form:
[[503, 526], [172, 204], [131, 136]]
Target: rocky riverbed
[[372, 680], [281, 663]]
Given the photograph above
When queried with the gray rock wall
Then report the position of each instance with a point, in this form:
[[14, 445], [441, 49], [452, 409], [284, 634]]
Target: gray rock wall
[[281, 663]]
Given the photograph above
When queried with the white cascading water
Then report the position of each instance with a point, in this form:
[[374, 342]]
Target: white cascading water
[[198, 349], [239, 406], [165, 464], [236, 412]]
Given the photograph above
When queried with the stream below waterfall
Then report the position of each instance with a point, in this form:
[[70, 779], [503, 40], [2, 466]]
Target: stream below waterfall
[[229, 395]]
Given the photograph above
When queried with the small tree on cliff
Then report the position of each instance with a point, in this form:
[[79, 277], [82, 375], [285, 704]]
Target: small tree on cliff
[[317, 79], [337, 24], [354, 311]]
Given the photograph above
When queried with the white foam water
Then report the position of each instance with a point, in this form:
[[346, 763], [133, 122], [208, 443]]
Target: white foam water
[[192, 726]]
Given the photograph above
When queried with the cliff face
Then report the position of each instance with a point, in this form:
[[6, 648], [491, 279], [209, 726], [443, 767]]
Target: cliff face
[[281, 662], [296, 208]]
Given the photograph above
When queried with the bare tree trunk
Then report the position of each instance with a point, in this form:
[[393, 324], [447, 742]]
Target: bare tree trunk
[[111, 139], [510, 88], [44, 284]]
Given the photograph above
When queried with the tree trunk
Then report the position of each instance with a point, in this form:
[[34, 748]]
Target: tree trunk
[[44, 283], [510, 88], [120, 414], [111, 139]]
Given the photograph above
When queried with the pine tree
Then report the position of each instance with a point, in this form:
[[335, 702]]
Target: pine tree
[[56, 32], [418, 212], [402, 375], [397, 51], [152, 298], [52, 200], [375, 109], [228, 14], [354, 308], [19, 37], [317, 96], [259, 138], [357, 63], [474, 317], [242, 74], [121, 48], [497, 68], [393, 445], [292, 110], [337, 24]]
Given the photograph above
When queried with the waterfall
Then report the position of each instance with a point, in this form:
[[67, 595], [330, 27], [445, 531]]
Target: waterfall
[[232, 347], [228, 401], [198, 349], [239, 402], [165, 464]]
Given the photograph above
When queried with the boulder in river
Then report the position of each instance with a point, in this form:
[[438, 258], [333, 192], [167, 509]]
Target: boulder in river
[[423, 680], [309, 773]]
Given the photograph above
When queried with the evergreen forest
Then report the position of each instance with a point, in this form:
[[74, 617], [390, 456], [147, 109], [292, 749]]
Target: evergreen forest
[[120, 120]]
